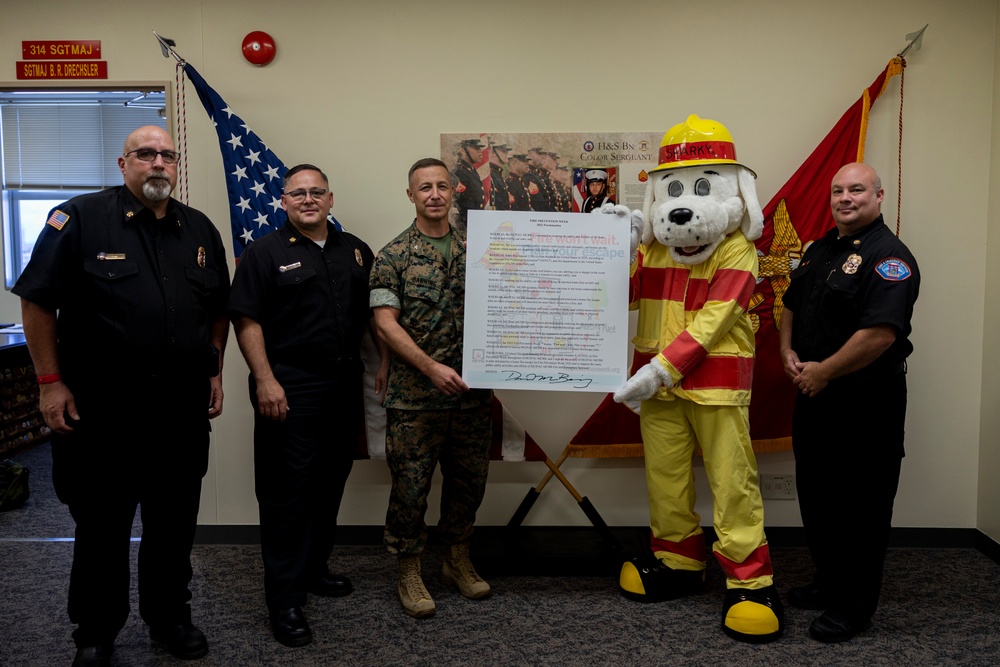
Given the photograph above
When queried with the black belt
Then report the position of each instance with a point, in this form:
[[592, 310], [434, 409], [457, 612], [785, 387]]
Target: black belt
[[884, 369]]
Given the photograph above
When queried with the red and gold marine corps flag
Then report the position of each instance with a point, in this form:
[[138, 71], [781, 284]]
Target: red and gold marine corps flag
[[797, 214]]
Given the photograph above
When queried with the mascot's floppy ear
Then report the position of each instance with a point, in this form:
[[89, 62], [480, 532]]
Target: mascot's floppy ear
[[647, 223], [753, 222]]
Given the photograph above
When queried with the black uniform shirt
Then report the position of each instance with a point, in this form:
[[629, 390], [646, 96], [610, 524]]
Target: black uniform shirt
[[311, 302], [500, 198], [519, 200], [591, 203], [863, 280], [538, 200], [469, 192], [551, 198], [133, 293]]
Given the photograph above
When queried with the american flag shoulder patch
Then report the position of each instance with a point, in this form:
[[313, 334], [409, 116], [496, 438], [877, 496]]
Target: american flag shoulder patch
[[58, 219]]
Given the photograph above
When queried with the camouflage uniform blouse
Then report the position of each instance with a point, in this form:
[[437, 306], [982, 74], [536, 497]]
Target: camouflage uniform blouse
[[411, 275]]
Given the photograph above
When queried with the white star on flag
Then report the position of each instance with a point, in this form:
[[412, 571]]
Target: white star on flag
[[255, 163]]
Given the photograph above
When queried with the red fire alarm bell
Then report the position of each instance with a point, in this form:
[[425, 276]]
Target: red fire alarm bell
[[258, 48]]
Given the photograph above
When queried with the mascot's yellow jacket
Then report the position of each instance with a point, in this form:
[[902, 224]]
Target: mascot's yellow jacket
[[693, 319]]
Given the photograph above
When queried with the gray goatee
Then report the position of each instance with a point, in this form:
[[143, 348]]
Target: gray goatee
[[156, 187]]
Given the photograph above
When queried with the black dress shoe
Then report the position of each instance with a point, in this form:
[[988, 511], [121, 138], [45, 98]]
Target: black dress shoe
[[833, 627], [183, 640], [290, 627], [92, 656], [808, 597], [332, 586]]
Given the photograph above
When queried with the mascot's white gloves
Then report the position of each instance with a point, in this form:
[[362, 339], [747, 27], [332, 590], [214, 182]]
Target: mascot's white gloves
[[645, 383], [636, 226]]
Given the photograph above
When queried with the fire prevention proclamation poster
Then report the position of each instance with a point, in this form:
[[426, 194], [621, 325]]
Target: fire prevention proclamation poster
[[546, 301]]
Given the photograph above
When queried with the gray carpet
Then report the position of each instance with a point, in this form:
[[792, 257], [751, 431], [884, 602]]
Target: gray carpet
[[939, 607]]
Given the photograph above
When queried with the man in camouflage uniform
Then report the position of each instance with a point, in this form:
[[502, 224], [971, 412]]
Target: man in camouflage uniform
[[418, 296]]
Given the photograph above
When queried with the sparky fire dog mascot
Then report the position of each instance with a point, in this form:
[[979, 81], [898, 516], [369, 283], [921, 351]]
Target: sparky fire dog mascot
[[692, 279]]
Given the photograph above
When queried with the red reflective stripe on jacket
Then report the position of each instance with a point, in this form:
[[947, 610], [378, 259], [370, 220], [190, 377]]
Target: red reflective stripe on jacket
[[684, 353], [720, 373], [663, 284], [727, 285]]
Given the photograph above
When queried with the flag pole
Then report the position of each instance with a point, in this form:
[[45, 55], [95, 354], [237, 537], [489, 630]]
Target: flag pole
[[915, 41], [167, 47]]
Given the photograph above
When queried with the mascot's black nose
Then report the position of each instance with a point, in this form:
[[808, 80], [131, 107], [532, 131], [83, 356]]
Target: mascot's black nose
[[680, 216]]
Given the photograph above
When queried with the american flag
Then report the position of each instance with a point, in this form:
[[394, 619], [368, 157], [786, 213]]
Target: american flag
[[253, 179], [253, 171]]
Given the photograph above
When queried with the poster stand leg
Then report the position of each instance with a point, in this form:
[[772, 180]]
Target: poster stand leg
[[588, 508]]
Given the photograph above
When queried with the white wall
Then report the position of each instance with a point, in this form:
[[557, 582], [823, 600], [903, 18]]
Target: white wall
[[988, 516], [364, 89]]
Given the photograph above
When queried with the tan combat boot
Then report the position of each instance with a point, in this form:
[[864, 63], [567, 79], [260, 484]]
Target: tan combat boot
[[413, 594], [457, 569]]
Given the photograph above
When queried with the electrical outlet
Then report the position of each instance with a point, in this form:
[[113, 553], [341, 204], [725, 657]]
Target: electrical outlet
[[777, 487]]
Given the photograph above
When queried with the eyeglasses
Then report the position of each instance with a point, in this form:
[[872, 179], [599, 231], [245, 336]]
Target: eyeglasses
[[300, 195], [149, 155]]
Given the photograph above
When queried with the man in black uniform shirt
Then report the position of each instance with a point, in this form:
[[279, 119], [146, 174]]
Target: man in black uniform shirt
[[129, 376], [541, 161], [469, 191], [500, 199], [844, 342], [525, 188], [300, 306]]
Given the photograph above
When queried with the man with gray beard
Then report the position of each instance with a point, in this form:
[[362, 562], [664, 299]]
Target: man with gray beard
[[124, 307]]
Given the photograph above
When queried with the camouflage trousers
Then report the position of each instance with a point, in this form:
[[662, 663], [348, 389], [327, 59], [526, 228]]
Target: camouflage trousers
[[415, 442]]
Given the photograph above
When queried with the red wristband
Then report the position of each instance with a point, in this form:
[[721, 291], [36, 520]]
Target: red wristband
[[49, 379]]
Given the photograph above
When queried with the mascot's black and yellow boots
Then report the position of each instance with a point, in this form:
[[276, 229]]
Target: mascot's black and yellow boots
[[750, 616], [646, 579], [753, 616]]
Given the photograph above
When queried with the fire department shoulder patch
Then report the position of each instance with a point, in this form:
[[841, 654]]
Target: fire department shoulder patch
[[893, 269]]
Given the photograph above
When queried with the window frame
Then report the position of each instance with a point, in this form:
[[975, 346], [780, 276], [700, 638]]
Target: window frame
[[13, 229], [12, 194]]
